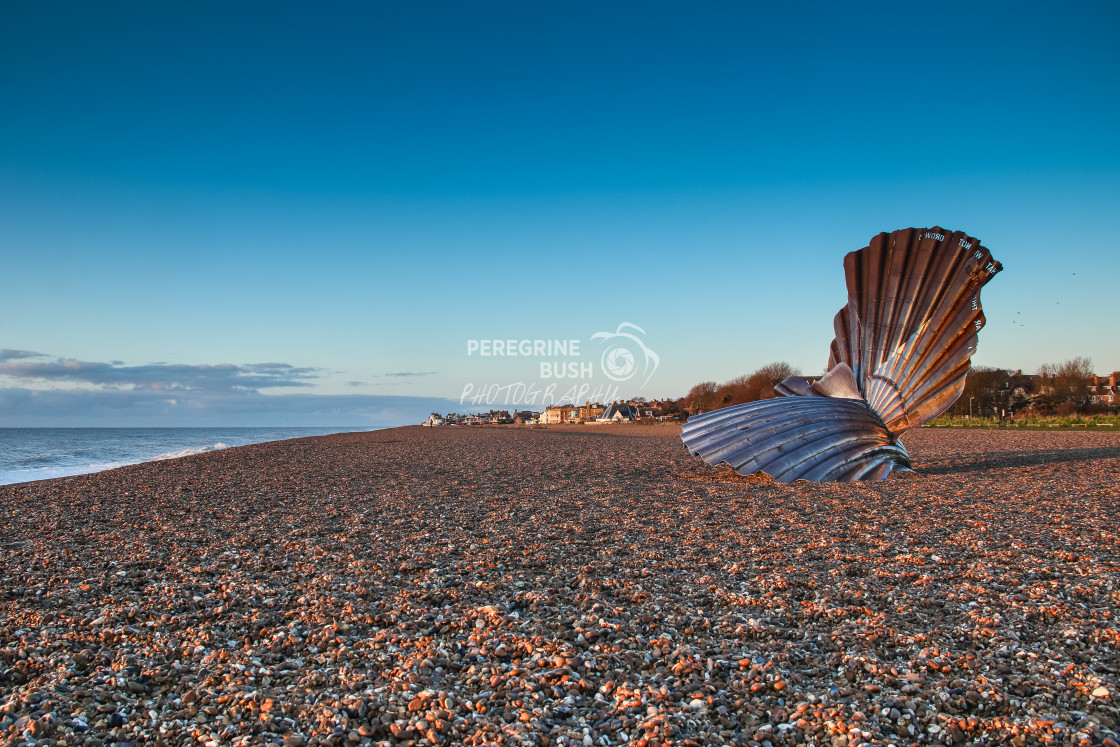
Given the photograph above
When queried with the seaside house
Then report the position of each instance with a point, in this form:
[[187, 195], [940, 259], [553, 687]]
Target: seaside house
[[1021, 385], [557, 414], [551, 416], [619, 412], [1103, 389], [590, 411]]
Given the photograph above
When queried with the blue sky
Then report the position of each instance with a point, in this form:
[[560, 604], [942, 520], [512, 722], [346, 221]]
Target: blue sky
[[356, 191]]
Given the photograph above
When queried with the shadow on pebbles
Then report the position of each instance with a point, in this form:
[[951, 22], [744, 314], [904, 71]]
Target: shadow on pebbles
[[564, 586]]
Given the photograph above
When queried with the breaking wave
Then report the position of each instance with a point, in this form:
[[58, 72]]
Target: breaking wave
[[189, 452]]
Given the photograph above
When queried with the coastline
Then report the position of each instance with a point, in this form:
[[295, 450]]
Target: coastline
[[566, 585], [32, 454]]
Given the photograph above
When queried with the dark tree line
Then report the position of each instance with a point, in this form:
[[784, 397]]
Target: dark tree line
[[1057, 389], [751, 387]]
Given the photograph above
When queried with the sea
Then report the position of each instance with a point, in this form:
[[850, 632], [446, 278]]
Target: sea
[[41, 453]]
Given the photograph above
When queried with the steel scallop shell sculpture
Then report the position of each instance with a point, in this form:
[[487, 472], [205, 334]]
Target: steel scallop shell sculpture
[[904, 343]]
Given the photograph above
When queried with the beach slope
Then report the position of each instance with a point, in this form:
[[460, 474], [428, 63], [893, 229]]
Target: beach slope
[[565, 586]]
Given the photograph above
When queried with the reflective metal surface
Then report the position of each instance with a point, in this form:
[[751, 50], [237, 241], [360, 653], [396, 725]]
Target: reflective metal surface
[[903, 346]]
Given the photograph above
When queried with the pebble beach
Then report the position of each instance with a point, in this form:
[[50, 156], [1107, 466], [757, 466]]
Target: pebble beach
[[565, 586]]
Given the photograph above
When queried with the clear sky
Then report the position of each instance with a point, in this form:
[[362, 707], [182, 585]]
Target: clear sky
[[280, 213]]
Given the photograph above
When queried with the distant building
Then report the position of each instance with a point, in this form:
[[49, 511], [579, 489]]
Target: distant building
[[558, 414], [552, 415], [1103, 389], [619, 412], [590, 411]]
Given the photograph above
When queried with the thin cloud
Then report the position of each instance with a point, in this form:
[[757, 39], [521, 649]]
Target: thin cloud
[[95, 393], [274, 367], [163, 377], [413, 373], [21, 407], [7, 354]]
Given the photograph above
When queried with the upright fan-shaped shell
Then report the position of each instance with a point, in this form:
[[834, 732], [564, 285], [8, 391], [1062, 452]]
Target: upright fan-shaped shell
[[903, 345], [909, 329]]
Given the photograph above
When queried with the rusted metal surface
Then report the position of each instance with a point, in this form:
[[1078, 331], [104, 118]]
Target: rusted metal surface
[[903, 346]]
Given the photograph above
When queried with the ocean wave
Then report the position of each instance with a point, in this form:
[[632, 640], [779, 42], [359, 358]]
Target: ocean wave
[[32, 461], [189, 452], [28, 454], [11, 476]]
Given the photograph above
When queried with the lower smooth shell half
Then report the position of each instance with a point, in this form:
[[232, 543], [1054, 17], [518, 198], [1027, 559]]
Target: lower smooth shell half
[[798, 438]]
